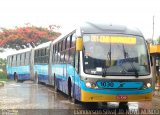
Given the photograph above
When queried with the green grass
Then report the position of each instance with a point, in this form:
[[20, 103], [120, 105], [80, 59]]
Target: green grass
[[3, 77]]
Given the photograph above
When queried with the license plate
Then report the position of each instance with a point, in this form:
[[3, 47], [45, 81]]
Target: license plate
[[122, 97]]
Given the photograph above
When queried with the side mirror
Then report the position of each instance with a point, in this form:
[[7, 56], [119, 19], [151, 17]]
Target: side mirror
[[79, 44]]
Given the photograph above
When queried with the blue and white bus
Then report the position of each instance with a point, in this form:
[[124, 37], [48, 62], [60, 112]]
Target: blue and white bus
[[97, 63], [101, 63]]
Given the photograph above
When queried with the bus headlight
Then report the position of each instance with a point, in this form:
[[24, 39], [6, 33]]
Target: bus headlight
[[148, 85], [90, 85]]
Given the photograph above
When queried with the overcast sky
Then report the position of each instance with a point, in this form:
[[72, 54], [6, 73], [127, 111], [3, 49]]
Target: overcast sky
[[138, 13]]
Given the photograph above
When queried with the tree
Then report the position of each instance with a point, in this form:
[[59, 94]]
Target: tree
[[3, 64], [22, 37]]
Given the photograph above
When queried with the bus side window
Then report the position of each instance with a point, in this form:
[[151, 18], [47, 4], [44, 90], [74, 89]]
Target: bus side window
[[73, 43], [22, 61], [53, 53], [61, 45], [27, 58], [68, 42], [66, 56], [56, 53], [35, 57], [18, 60], [12, 61], [47, 55], [40, 57], [71, 56], [64, 44]]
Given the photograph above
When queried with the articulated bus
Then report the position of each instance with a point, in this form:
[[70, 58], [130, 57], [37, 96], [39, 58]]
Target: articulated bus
[[41, 61], [97, 63], [19, 65]]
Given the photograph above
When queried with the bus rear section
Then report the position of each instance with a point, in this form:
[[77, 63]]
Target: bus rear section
[[18, 65]]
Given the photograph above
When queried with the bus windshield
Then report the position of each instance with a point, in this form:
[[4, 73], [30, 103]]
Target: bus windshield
[[115, 55]]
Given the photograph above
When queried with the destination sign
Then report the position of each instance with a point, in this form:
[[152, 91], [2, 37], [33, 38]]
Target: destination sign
[[113, 39]]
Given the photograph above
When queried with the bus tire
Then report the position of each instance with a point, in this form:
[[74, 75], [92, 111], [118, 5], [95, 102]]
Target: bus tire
[[70, 95], [16, 77], [90, 105], [55, 84], [69, 87], [123, 105]]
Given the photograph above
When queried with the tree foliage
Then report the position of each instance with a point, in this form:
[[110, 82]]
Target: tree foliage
[[22, 37], [3, 64]]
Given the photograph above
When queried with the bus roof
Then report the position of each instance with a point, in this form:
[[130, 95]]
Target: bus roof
[[47, 44], [104, 28], [62, 36], [20, 51]]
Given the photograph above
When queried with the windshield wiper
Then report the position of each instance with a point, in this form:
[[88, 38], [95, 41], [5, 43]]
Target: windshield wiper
[[126, 56]]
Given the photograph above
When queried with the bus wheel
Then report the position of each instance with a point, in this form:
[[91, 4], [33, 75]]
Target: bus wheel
[[71, 95], [75, 101], [16, 77], [123, 105], [55, 84], [90, 105], [69, 88]]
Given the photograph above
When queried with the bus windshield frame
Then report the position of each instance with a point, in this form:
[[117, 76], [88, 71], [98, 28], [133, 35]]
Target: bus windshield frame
[[115, 55]]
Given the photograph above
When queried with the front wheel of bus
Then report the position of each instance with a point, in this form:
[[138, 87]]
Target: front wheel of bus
[[71, 93], [123, 105]]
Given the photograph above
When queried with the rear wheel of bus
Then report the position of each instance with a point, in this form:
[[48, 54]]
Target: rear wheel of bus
[[16, 77], [55, 84]]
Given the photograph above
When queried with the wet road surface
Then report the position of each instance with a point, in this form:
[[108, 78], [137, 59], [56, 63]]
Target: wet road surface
[[29, 98]]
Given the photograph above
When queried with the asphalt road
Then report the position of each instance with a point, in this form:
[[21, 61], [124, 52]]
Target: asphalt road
[[28, 98]]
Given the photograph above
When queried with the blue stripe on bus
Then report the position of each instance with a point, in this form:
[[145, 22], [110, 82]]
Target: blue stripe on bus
[[42, 71], [23, 72], [63, 71], [111, 85], [115, 92]]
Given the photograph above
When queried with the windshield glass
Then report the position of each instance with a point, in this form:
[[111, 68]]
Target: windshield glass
[[115, 55]]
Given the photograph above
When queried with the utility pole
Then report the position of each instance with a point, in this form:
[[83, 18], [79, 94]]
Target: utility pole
[[153, 30], [154, 62]]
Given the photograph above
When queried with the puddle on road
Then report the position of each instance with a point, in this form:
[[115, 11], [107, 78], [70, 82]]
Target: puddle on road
[[14, 85]]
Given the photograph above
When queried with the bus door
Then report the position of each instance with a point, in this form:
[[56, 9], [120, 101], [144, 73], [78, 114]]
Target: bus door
[[73, 69]]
